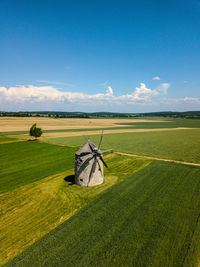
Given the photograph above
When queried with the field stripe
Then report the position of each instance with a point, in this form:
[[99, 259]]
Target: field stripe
[[50, 135], [11, 141], [160, 159], [116, 131]]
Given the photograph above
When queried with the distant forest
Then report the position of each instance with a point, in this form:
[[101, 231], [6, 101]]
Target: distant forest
[[55, 114]]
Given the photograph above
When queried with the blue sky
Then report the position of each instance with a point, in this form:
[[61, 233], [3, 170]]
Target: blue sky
[[121, 56]]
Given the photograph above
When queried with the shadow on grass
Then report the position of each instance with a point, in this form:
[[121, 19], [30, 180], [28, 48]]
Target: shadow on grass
[[70, 178]]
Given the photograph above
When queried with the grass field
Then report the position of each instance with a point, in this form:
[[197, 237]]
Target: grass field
[[149, 219], [178, 145], [146, 213], [25, 162], [39, 207]]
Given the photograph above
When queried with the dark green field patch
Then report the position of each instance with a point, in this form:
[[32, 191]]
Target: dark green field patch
[[25, 162], [149, 219]]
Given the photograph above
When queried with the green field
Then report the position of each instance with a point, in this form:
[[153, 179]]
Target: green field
[[149, 219], [180, 145], [25, 162]]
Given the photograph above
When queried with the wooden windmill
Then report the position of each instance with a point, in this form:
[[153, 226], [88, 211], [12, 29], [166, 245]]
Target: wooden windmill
[[89, 164]]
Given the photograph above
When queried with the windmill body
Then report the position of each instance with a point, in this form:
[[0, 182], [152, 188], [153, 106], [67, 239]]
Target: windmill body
[[89, 165]]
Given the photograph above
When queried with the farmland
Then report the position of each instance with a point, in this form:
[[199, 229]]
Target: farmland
[[41, 206], [23, 124], [26, 162], [165, 144], [146, 213], [148, 219]]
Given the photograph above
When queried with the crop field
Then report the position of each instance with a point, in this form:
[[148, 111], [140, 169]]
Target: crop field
[[169, 123], [146, 213], [9, 124], [149, 219], [180, 145], [26, 162], [41, 206]]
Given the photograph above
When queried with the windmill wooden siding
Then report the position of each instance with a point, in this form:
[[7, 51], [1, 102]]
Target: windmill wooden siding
[[84, 165]]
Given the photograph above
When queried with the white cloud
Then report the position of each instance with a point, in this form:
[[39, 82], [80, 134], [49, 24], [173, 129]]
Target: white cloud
[[141, 95], [156, 78], [143, 92], [48, 97], [44, 94], [109, 91], [189, 99], [162, 88], [37, 94]]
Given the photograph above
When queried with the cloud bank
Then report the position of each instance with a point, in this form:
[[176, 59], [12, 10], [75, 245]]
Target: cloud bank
[[33, 94], [39, 97]]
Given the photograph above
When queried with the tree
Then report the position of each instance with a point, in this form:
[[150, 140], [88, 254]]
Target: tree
[[34, 131]]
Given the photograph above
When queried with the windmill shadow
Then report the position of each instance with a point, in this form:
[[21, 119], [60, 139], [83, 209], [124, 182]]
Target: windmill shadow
[[70, 179]]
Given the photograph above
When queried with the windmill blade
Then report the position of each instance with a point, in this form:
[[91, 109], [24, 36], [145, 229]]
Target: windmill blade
[[100, 167], [103, 162], [92, 170], [100, 140], [85, 153], [85, 164], [91, 147]]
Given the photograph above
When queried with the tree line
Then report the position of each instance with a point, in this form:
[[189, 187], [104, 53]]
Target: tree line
[[56, 115]]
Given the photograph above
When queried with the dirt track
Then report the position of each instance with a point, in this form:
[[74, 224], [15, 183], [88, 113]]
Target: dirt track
[[154, 158]]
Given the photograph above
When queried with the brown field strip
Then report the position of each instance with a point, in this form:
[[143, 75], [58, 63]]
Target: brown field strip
[[8, 124], [160, 159], [96, 132]]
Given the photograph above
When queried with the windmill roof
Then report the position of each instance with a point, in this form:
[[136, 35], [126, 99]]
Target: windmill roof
[[86, 147]]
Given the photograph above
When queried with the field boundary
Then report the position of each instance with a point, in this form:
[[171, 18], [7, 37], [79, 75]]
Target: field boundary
[[160, 159]]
